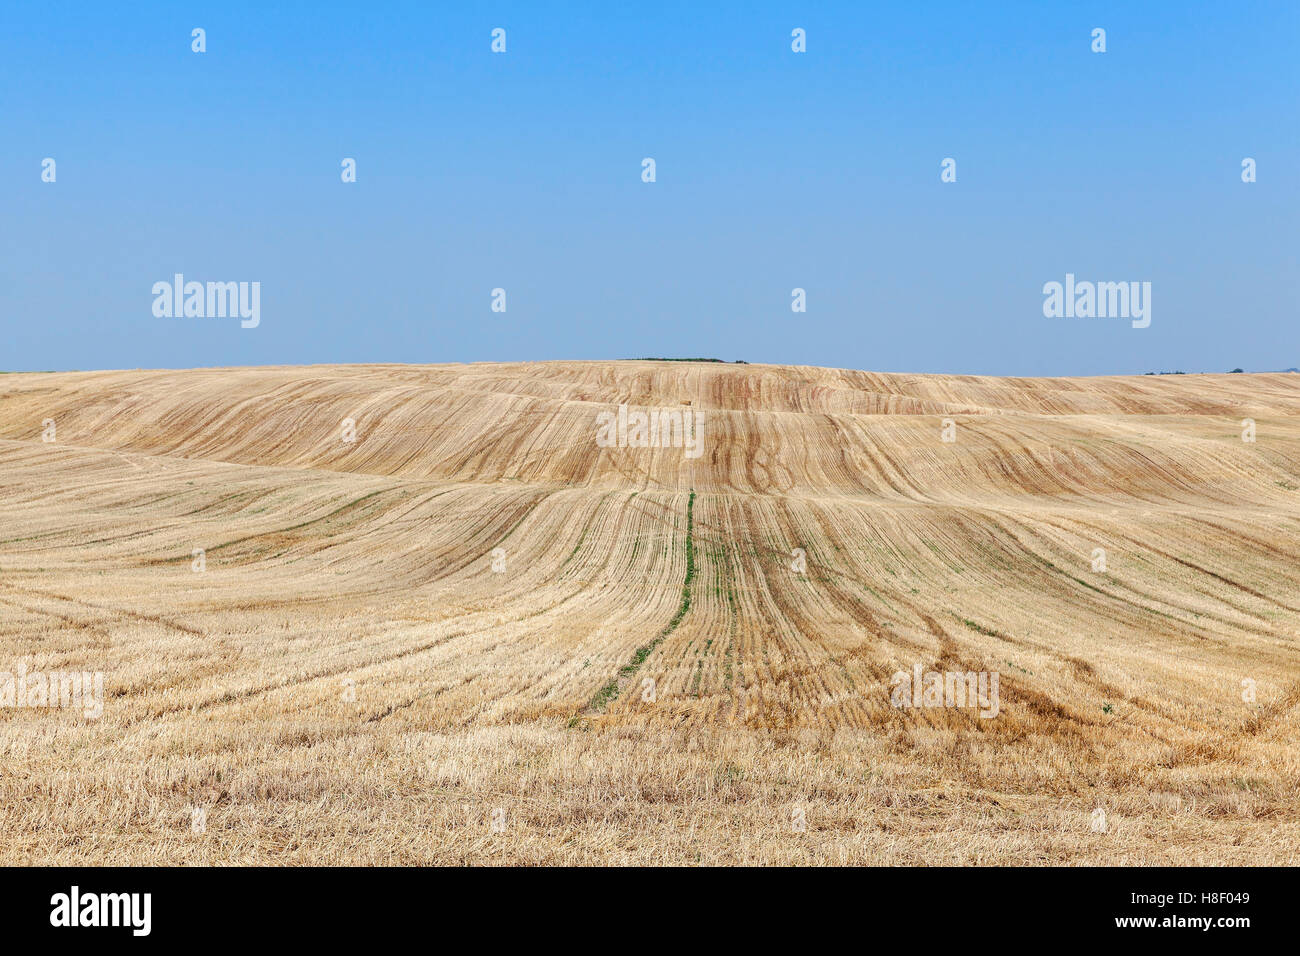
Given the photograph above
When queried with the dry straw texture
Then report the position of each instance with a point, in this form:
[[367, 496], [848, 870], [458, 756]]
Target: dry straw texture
[[520, 692]]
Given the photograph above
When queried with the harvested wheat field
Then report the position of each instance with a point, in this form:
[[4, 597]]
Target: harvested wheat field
[[472, 634]]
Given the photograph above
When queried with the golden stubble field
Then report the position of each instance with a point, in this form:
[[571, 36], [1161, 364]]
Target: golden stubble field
[[645, 671]]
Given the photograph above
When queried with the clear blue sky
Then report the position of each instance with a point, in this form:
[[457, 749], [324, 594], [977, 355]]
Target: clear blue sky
[[775, 170]]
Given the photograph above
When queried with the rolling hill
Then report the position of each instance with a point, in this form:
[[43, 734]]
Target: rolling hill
[[401, 614]]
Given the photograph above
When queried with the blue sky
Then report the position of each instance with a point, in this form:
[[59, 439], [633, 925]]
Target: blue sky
[[775, 170]]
